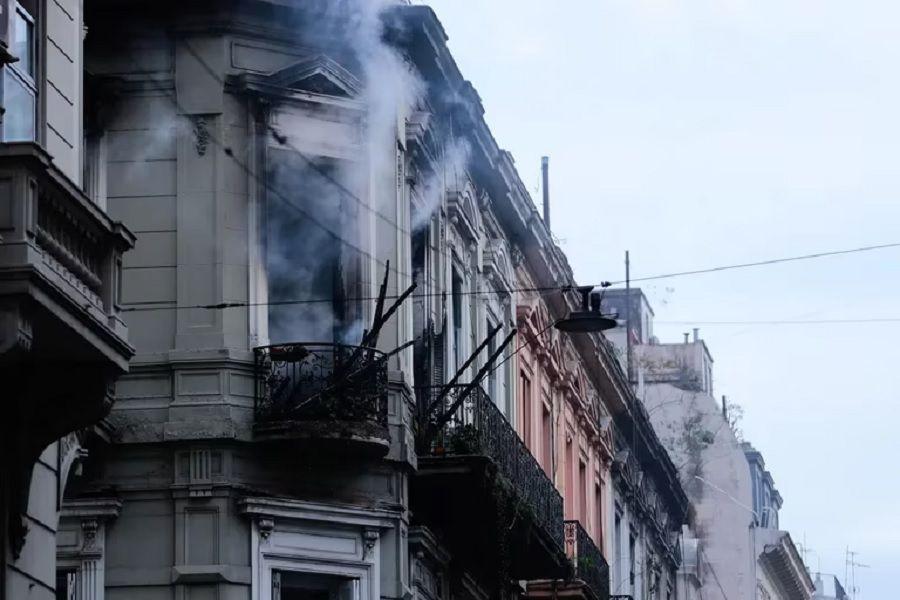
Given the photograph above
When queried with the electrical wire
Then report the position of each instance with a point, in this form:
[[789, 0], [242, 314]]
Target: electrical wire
[[560, 288], [281, 139], [787, 321], [761, 263], [269, 188]]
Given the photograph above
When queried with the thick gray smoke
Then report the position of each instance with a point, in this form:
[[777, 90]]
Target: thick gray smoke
[[449, 174], [304, 260]]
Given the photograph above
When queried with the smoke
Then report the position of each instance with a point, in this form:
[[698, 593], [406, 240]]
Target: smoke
[[449, 173], [306, 261], [303, 259], [312, 258]]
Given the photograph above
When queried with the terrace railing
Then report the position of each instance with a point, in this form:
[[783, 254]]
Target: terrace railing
[[321, 382], [588, 563], [478, 427]]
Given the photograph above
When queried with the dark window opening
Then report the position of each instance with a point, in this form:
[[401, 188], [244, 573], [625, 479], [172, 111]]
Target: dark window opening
[[312, 259], [291, 585], [525, 407], [66, 584], [547, 440], [456, 292]]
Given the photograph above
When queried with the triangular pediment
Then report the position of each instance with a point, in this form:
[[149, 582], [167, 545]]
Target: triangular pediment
[[317, 74]]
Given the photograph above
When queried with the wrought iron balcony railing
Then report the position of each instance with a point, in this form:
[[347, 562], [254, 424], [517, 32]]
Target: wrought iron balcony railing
[[478, 427], [589, 565], [321, 382]]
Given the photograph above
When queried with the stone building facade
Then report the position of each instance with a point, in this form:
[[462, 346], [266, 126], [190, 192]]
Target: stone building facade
[[63, 342], [734, 500], [323, 396]]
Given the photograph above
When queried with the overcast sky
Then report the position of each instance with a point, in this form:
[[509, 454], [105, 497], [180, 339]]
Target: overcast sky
[[706, 132]]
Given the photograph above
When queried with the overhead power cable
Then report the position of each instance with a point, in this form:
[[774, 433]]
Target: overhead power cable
[[787, 321], [772, 261], [281, 139], [537, 289], [269, 189]]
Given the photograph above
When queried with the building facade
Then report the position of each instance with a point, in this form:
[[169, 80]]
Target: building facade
[[734, 500], [324, 396], [63, 341]]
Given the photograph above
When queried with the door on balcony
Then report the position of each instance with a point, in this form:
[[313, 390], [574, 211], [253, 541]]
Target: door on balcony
[[311, 242], [292, 585]]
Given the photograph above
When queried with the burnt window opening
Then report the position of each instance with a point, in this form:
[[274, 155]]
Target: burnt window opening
[[311, 247]]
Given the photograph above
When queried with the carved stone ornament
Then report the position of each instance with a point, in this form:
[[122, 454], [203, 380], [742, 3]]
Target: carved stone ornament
[[201, 135], [266, 526], [89, 529], [370, 538]]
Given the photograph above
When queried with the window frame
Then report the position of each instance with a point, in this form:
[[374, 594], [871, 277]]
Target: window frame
[[29, 81]]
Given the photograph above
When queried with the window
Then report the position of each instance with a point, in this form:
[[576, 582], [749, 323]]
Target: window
[[598, 514], [582, 494], [569, 484], [525, 407], [66, 584], [617, 548], [632, 560], [547, 439], [456, 292], [311, 252], [19, 90], [290, 585], [492, 374]]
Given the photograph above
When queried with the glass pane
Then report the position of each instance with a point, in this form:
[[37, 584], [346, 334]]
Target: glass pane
[[23, 43], [290, 585], [18, 102]]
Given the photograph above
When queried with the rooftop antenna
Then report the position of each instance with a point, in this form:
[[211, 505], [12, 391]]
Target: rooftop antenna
[[545, 179], [852, 564], [628, 350]]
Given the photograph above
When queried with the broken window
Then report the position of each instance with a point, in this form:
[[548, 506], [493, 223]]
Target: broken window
[[312, 252]]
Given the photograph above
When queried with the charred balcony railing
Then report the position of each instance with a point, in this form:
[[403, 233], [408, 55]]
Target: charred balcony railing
[[589, 565], [321, 382], [478, 427]]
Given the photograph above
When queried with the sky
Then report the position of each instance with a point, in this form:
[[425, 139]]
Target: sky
[[699, 133]]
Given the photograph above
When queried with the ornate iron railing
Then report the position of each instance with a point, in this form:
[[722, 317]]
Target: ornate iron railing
[[321, 382], [478, 427], [587, 560]]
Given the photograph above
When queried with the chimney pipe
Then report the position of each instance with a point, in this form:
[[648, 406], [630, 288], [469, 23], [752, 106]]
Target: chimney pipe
[[687, 338], [696, 334], [545, 175]]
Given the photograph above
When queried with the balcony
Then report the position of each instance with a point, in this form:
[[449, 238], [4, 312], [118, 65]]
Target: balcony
[[480, 486], [60, 257], [62, 341], [61, 254], [590, 568], [332, 396], [588, 578]]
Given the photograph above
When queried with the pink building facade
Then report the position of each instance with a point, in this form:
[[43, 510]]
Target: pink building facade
[[559, 416]]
